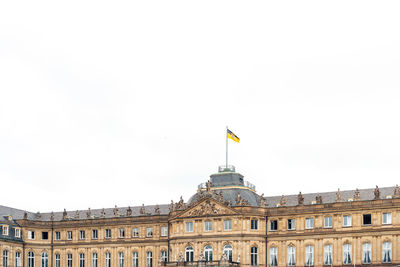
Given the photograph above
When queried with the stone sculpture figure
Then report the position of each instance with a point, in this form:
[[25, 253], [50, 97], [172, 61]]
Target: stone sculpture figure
[[76, 214], [142, 210], [115, 211], [129, 211], [171, 206], [300, 198], [318, 199], [157, 209], [89, 213], [357, 195], [282, 202], [377, 193], [396, 193], [262, 200], [338, 196], [103, 213]]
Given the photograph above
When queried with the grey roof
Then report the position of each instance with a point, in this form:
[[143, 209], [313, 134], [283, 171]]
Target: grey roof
[[15, 213]]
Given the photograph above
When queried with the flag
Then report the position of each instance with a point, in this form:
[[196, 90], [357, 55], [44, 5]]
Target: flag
[[232, 136]]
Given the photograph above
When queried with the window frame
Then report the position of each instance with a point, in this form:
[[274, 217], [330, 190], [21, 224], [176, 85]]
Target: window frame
[[135, 232], [107, 233], [164, 231], [69, 235], [330, 222], [309, 223], [271, 223], [292, 223], [388, 216], [228, 225], [254, 224], [149, 232], [364, 216], [208, 226], [348, 220], [189, 227]]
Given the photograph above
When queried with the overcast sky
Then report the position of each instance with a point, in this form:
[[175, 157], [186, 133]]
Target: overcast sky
[[124, 103]]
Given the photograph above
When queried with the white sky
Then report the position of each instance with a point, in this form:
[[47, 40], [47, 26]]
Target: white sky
[[124, 103]]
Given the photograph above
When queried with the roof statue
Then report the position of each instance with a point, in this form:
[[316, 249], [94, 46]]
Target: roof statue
[[180, 205], [377, 193], [89, 213], [129, 211], [262, 200], [357, 195], [52, 216], [220, 197], [64, 215], [208, 186], [142, 210], [282, 202], [103, 213], [338, 197], [38, 215], [300, 199], [25, 215], [171, 206], [76, 215], [397, 191], [318, 199], [115, 211], [157, 209]]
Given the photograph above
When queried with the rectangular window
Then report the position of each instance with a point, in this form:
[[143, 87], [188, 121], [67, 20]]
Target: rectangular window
[[347, 254], [387, 252], [291, 224], [273, 226], [254, 256], [121, 259], [81, 234], [387, 218], [227, 225], [135, 232], [254, 224], [108, 233], [81, 260], [135, 259], [121, 233], [69, 260], [108, 259], [328, 255], [58, 263], [31, 235], [273, 257], [45, 235], [208, 226], [149, 232], [309, 223], [309, 255], [5, 258], [189, 226], [17, 232], [5, 229], [69, 235], [57, 236], [94, 260], [18, 259], [367, 219], [164, 231], [328, 222], [347, 221], [366, 253], [95, 234]]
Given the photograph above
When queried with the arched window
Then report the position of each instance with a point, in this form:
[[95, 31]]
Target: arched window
[[163, 255], [69, 260], [273, 256], [135, 259], [94, 259], [291, 256], [5, 258], [328, 254], [366, 253], [31, 259], [189, 254], [253, 256], [121, 259], [228, 252], [208, 253], [57, 260], [149, 259], [82, 260], [309, 255], [18, 259], [45, 259], [347, 254], [108, 259], [387, 252]]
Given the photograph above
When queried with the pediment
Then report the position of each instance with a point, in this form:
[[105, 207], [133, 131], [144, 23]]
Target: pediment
[[207, 207]]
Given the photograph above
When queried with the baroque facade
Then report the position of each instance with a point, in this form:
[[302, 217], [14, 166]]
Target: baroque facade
[[225, 221]]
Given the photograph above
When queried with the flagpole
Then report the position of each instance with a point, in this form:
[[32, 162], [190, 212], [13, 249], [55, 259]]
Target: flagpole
[[226, 136]]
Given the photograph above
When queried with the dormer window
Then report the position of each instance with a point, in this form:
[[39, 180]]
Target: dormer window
[[5, 229]]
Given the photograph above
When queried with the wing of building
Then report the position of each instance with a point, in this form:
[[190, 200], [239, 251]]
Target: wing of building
[[225, 223]]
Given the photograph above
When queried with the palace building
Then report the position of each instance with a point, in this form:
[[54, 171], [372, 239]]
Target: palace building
[[225, 223]]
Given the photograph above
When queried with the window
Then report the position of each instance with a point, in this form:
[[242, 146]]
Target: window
[[273, 256], [254, 224], [347, 254], [328, 254], [387, 252], [31, 235], [164, 231], [149, 259], [5, 258], [163, 255], [309, 223], [387, 218], [17, 232], [45, 235], [81, 234], [253, 256], [135, 232], [149, 232], [291, 224], [208, 253], [189, 226], [189, 254], [347, 221], [57, 236], [95, 234], [121, 259], [291, 256], [5, 229], [108, 259], [228, 252], [135, 259], [81, 260], [121, 233], [58, 260], [208, 226], [227, 225], [328, 222], [31, 259], [45, 259], [18, 259], [366, 219], [69, 235], [108, 233], [69, 260], [309, 255], [366, 253], [94, 259], [273, 226]]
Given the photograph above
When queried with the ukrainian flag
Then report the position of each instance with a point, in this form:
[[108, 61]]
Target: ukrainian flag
[[232, 136]]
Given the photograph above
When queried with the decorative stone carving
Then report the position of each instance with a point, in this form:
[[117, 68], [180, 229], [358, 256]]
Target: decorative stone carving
[[238, 258], [157, 210], [89, 213], [207, 208], [115, 211], [181, 259], [300, 199], [282, 202], [377, 194], [220, 197], [180, 205], [357, 195], [318, 199], [38, 215], [208, 186], [224, 257], [129, 211], [142, 210], [76, 215], [396, 193], [171, 206], [65, 214], [52, 216], [201, 256], [338, 196], [103, 213], [25, 215], [262, 200], [238, 199]]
